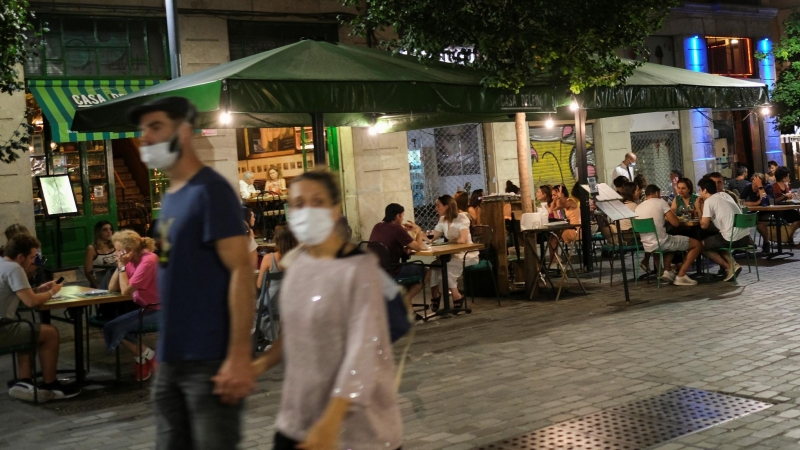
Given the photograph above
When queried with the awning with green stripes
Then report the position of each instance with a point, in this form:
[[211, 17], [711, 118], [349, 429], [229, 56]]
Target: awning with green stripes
[[59, 99]]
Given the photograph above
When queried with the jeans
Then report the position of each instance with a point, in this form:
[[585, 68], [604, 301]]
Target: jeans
[[188, 414], [125, 325]]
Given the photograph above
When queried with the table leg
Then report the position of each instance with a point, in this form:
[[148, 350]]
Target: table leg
[[447, 310], [80, 373], [777, 225]]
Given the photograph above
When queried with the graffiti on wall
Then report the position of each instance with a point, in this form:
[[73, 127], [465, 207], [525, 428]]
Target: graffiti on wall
[[554, 156]]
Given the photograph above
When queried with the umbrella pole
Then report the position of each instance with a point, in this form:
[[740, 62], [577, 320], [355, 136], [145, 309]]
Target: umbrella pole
[[318, 132], [583, 175]]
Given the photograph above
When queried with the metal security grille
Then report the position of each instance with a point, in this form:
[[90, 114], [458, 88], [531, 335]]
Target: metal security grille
[[638, 425], [657, 152], [444, 161]]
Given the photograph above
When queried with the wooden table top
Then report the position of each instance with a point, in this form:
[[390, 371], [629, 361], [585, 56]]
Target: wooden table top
[[555, 226], [449, 249], [71, 297], [783, 207], [690, 223], [267, 198]]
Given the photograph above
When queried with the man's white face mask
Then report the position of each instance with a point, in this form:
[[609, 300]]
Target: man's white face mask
[[162, 155]]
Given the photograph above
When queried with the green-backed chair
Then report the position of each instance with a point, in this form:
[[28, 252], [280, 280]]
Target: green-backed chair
[[644, 226], [611, 246], [382, 252], [481, 234], [139, 333], [744, 221]]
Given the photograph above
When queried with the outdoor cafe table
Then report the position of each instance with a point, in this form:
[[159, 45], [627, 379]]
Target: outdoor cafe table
[[535, 269], [445, 254], [263, 198], [777, 209], [74, 298]]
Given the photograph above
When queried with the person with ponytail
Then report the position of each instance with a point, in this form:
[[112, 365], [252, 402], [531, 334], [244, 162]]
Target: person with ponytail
[[135, 276]]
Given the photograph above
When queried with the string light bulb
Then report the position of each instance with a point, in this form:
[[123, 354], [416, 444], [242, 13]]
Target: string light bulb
[[225, 118], [548, 123], [573, 106], [765, 111]]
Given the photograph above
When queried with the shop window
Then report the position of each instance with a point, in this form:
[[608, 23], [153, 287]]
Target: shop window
[[79, 47], [730, 56], [248, 38]]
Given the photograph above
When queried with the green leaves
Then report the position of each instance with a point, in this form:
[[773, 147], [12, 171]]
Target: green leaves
[[569, 42], [15, 21], [786, 91]]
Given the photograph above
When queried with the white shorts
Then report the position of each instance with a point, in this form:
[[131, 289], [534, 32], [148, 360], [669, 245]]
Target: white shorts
[[675, 244]]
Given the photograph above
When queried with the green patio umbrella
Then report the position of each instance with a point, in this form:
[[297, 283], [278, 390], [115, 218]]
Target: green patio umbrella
[[351, 86]]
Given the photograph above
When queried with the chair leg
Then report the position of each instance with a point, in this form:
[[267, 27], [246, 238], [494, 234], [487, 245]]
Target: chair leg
[[119, 375], [33, 378], [14, 364], [755, 261], [611, 283]]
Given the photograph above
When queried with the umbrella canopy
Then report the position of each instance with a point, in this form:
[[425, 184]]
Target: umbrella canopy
[[350, 85]]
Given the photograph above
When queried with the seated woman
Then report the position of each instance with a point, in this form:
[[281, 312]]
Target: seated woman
[[250, 221], [685, 202], [545, 197], [462, 204], [628, 192], [101, 259], [276, 184], [641, 183], [474, 210], [135, 276], [783, 193], [511, 188], [284, 243], [571, 207], [454, 227]]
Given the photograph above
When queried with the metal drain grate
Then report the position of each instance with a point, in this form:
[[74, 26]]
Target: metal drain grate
[[638, 425]]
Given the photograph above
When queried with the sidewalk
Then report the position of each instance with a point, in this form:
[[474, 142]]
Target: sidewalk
[[502, 372]]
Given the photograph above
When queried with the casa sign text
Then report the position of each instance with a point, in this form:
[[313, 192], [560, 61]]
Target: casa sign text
[[521, 101], [86, 100]]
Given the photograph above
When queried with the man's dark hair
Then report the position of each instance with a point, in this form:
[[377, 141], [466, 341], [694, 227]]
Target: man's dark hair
[[781, 172], [713, 175], [619, 181], [708, 185], [772, 163], [651, 189], [391, 212], [676, 172], [640, 180], [21, 244], [741, 170], [628, 191]]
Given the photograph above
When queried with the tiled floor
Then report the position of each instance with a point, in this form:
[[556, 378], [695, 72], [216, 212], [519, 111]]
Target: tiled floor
[[502, 372]]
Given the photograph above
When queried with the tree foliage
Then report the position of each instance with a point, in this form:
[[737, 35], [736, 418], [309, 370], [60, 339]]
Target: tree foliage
[[15, 26], [568, 42], [786, 92]]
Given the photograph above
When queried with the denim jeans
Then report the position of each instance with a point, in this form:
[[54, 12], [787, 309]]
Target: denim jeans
[[125, 325], [188, 414]]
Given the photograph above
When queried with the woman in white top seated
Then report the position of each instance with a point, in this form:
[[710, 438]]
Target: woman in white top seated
[[246, 188], [455, 227]]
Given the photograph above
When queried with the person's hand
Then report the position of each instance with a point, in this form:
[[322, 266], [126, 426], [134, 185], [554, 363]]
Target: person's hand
[[123, 258], [234, 380], [54, 287], [259, 365], [323, 435]]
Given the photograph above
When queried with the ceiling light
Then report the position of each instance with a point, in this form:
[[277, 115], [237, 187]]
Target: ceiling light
[[573, 106], [225, 118], [548, 123], [734, 41], [765, 111]]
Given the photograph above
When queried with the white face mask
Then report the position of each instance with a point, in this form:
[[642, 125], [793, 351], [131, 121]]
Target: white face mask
[[311, 226], [161, 156], [633, 164]]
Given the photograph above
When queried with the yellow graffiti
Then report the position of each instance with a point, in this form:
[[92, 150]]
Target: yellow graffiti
[[551, 155]]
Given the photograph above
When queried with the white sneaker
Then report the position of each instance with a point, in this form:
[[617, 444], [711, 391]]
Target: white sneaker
[[684, 281], [22, 390], [668, 276], [735, 270]]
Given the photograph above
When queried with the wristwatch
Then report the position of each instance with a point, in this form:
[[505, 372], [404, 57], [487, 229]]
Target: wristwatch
[[121, 269]]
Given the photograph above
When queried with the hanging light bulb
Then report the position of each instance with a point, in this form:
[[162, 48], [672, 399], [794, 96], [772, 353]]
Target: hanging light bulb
[[53, 145], [548, 123], [573, 106], [765, 111], [378, 128], [225, 118]]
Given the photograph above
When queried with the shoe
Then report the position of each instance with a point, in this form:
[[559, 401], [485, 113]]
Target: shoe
[[668, 276], [60, 391], [153, 364], [643, 268], [684, 281], [736, 269], [23, 390], [141, 372], [435, 303], [722, 271]]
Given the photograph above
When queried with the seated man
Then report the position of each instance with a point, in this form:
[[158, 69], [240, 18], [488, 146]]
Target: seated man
[[618, 182], [393, 233], [246, 188], [758, 193], [740, 183], [720, 209], [657, 209], [20, 253]]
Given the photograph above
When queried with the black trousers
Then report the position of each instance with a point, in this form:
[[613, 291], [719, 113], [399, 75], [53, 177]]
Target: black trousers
[[284, 443]]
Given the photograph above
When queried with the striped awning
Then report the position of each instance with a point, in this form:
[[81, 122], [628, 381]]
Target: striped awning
[[59, 99]]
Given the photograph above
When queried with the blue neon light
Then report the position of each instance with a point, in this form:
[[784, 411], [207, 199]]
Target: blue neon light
[[767, 65], [696, 54]]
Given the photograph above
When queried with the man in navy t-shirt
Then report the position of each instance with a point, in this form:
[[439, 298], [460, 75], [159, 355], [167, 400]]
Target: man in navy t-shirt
[[393, 234], [206, 286]]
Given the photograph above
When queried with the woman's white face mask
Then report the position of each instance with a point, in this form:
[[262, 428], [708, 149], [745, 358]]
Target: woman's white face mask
[[163, 155], [311, 226]]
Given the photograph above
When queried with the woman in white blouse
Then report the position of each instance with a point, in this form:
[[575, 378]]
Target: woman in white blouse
[[455, 227]]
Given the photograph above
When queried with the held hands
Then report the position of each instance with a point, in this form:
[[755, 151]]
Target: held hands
[[235, 380], [324, 435]]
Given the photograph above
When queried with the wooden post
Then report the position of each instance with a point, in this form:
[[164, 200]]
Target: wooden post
[[583, 174], [523, 158]]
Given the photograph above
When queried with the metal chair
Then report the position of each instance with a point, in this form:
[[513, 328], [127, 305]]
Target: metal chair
[[481, 234], [28, 347], [267, 308], [140, 333], [382, 252], [643, 226], [563, 268], [611, 246], [744, 221]]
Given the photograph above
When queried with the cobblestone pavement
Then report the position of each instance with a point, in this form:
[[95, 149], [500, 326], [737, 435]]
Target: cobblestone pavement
[[501, 372]]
